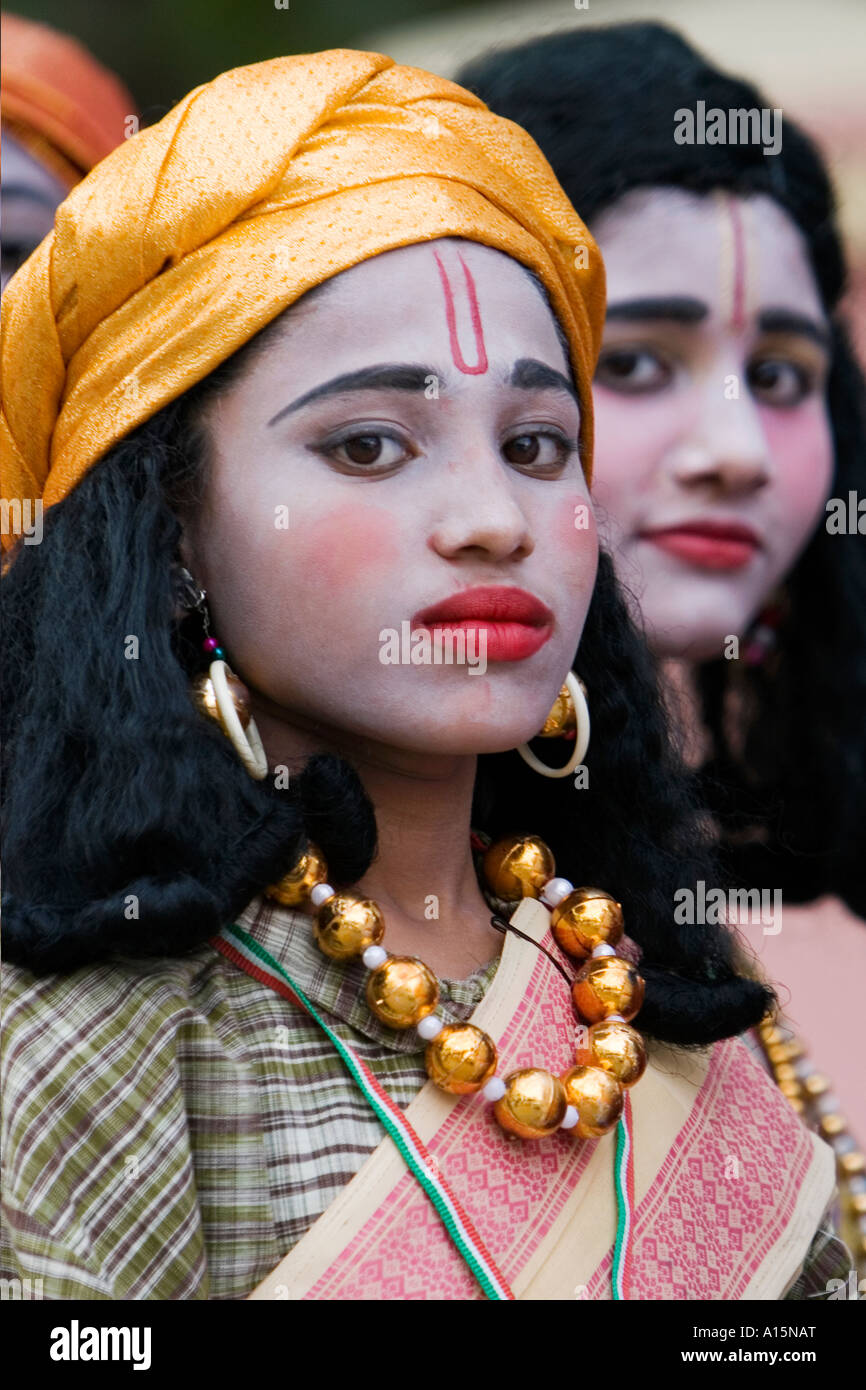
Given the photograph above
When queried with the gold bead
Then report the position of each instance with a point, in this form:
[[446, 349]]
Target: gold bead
[[596, 1096], [205, 698], [402, 991], [615, 1047], [791, 1089], [461, 1059], [295, 887], [770, 1033], [851, 1163], [831, 1125], [346, 925], [784, 1052], [785, 1071], [562, 717], [815, 1085], [607, 985], [587, 918], [533, 1105], [518, 867], [858, 1203]]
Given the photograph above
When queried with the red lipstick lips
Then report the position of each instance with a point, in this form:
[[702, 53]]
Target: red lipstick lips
[[710, 545], [514, 623]]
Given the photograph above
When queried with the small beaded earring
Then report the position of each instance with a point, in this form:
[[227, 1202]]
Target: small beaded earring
[[219, 693], [763, 634]]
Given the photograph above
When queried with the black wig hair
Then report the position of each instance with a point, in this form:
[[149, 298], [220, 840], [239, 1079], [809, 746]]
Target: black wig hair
[[132, 829], [785, 777]]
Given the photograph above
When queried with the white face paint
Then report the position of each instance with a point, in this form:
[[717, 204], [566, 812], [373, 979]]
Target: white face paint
[[450, 465]]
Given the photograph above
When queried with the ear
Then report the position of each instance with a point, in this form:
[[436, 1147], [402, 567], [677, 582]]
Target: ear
[[188, 553]]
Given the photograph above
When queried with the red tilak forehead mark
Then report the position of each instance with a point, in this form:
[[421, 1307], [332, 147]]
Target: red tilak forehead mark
[[460, 362], [738, 308], [734, 261]]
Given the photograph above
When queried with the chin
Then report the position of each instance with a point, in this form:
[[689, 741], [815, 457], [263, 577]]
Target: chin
[[694, 636], [443, 732], [458, 739]]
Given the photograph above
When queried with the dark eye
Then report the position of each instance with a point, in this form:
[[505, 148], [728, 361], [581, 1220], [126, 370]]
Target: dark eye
[[363, 448], [632, 370], [537, 449], [368, 449], [522, 450], [779, 383]]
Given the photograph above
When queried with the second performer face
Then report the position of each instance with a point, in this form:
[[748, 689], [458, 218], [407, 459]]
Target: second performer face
[[713, 442]]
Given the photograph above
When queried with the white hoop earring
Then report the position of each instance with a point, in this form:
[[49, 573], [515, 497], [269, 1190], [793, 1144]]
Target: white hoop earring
[[246, 742], [581, 737], [211, 692]]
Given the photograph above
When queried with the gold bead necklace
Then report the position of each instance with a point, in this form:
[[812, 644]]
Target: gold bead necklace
[[460, 1058]]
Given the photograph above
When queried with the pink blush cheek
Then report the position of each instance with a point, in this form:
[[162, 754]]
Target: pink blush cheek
[[574, 534], [351, 541], [631, 439], [801, 446]]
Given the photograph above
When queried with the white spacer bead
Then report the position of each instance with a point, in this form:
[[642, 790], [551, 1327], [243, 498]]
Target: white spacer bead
[[429, 1027], [570, 1118], [321, 893], [614, 1018], [374, 956], [494, 1090], [554, 890], [602, 950]]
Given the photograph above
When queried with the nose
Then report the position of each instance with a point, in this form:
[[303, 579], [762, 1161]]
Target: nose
[[726, 448], [479, 514]]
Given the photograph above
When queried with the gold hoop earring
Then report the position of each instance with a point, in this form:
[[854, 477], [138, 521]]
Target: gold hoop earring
[[570, 711]]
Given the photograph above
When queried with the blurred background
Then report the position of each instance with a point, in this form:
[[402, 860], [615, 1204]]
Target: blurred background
[[808, 57]]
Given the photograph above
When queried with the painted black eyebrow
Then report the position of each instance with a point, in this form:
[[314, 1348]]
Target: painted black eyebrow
[[684, 309], [530, 375], [393, 376], [527, 374], [789, 321], [681, 308]]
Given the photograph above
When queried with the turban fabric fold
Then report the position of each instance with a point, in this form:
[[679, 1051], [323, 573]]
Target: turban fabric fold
[[192, 235], [58, 101]]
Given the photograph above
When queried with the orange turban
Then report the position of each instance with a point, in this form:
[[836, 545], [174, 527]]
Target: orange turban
[[65, 108], [198, 231]]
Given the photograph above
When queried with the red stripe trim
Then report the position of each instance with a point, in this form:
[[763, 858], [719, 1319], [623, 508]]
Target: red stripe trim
[[231, 953], [234, 955]]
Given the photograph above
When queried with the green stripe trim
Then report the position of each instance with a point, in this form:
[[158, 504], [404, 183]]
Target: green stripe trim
[[619, 1249], [490, 1289]]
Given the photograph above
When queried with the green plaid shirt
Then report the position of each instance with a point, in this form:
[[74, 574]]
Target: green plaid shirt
[[172, 1127]]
